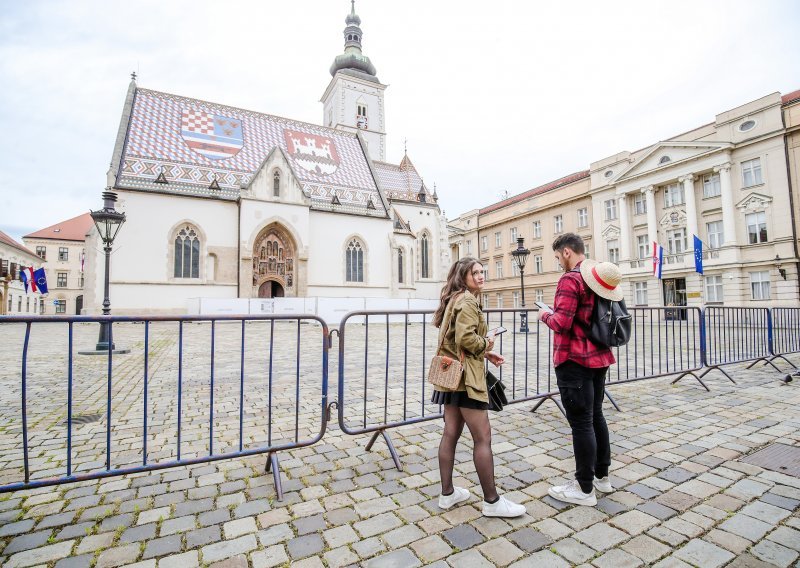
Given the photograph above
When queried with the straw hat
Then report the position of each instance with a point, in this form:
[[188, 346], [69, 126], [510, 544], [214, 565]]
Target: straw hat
[[603, 278]]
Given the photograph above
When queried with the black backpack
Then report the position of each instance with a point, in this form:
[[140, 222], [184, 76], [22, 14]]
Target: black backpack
[[611, 323]]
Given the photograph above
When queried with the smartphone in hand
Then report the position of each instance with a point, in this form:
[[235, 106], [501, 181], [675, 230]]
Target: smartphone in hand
[[544, 307], [496, 331]]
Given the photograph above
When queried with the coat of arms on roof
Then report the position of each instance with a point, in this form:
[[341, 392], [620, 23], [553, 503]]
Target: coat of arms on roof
[[313, 153], [212, 135]]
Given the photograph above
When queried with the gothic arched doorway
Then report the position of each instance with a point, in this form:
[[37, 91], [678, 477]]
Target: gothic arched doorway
[[270, 289]]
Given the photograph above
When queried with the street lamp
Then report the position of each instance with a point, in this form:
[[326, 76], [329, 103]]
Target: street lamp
[[108, 222], [520, 255], [781, 271]]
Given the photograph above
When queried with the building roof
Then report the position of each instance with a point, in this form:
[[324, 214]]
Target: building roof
[[74, 229], [791, 97], [7, 240], [566, 180], [196, 143], [401, 181]]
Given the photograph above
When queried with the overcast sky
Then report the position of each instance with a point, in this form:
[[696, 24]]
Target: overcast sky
[[492, 96]]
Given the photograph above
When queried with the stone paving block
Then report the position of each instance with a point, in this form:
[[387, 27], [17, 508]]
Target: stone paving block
[[774, 553], [667, 536], [400, 558], [573, 550], [239, 527], [747, 489], [634, 522], [368, 547], [202, 537], [81, 561], [402, 536], [275, 534], [228, 548], [765, 512], [153, 515], [780, 501], [656, 510], [186, 560], [118, 556], [601, 536], [274, 517], [27, 541], [306, 525], [304, 546], [646, 548], [749, 561], [701, 553], [616, 558], [431, 548], [727, 540], [340, 536], [213, 517], [469, 558], [17, 528], [500, 551], [553, 528], [786, 536], [541, 559], [746, 527], [179, 525], [138, 533], [579, 518], [339, 557], [678, 500], [672, 562], [377, 525], [253, 508], [269, 557], [162, 546], [463, 536], [95, 542]]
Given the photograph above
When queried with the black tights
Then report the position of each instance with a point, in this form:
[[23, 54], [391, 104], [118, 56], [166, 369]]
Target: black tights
[[478, 423]]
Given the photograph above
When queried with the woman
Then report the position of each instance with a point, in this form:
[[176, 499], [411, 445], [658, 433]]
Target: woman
[[462, 330]]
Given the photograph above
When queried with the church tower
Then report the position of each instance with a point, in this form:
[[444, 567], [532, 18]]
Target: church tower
[[353, 100]]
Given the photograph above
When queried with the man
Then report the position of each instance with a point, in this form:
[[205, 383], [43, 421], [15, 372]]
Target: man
[[581, 365]]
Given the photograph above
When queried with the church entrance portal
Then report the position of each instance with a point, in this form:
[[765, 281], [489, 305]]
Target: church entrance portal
[[270, 289]]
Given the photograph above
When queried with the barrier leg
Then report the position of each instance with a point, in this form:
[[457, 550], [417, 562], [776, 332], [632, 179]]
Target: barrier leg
[[699, 379], [272, 464], [389, 444], [612, 401], [540, 402]]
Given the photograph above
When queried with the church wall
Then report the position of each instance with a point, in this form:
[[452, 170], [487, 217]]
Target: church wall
[[427, 219]]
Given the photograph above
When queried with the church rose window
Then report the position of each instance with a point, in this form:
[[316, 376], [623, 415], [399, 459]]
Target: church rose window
[[187, 254], [354, 270]]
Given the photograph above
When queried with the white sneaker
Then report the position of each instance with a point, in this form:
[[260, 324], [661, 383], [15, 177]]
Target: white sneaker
[[458, 495], [503, 508], [572, 493], [602, 484]]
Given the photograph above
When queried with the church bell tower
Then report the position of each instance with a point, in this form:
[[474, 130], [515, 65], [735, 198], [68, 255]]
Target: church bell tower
[[353, 100]]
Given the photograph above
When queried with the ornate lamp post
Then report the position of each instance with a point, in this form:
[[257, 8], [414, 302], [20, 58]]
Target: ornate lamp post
[[520, 255], [108, 222]]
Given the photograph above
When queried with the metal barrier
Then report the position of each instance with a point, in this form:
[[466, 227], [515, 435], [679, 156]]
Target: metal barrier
[[190, 392], [785, 333]]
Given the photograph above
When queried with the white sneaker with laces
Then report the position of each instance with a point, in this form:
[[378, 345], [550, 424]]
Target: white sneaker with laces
[[458, 495], [602, 484], [503, 508], [572, 493]]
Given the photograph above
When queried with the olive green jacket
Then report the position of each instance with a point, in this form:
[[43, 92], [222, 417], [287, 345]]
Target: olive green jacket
[[467, 330]]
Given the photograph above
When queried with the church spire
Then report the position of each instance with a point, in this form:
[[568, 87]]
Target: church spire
[[352, 60]]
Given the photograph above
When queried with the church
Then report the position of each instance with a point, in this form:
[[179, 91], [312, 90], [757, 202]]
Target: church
[[225, 203]]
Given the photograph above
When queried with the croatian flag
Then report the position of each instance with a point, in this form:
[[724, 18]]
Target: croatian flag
[[26, 275], [658, 259], [698, 254]]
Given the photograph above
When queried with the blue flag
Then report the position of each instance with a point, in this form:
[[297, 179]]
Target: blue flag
[[41, 280], [23, 276], [698, 254]]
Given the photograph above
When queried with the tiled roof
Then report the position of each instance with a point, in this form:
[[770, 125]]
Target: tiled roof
[[74, 229], [195, 142], [791, 97], [566, 180], [7, 240], [401, 181]]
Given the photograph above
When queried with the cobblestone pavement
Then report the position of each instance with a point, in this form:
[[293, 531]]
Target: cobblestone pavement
[[682, 494]]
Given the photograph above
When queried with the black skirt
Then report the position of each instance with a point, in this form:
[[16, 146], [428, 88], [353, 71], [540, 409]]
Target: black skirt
[[459, 399]]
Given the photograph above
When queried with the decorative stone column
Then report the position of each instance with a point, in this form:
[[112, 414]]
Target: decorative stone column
[[652, 223], [691, 207], [728, 211], [624, 229]]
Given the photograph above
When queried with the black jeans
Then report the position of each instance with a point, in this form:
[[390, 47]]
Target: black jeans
[[582, 392]]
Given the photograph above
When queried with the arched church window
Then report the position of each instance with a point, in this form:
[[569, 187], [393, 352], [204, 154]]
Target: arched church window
[[280, 254], [425, 256], [187, 253], [354, 262], [400, 265], [276, 184], [269, 248]]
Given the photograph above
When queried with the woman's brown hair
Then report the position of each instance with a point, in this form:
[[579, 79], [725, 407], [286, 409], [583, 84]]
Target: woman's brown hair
[[456, 283]]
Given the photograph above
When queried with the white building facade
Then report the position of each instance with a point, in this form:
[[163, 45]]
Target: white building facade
[[226, 203]]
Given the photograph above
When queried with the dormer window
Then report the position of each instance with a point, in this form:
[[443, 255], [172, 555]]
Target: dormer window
[[361, 116], [664, 160]]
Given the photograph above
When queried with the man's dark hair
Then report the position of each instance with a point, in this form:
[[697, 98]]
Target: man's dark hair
[[569, 240]]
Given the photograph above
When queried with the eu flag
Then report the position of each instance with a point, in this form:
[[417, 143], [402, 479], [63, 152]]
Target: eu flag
[[698, 254]]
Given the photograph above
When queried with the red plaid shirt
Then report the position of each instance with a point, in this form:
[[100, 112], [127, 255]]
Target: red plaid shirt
[[572, 312]]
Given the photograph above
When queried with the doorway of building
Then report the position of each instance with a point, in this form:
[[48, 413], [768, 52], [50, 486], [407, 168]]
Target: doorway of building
[[78, 305], [675, 295], [270, 289]]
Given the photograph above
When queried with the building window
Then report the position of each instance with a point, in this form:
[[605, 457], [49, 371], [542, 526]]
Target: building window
[[711, 185], [515, 296], [639, 204], [714, 288], [354, 262], [539, 295], [10, 300], [63, 253], [643, 245], [513, 235], [498, 269], [485, 300], [673, 195], [613, 250], [82, 280], [400, 265], [61, 280], [715, 235], [664, 160], [28, 305], [187, 254], [583, 217], [41, 305], [484, 243], [469, 247], [640, 293], [41, 252], [676, 241], [611, 209], [759, 285], [61, 306], [756, 227], [514, 268], [558, 223], [537, 229], [500, 301], [751, 172], [361, 116], [276, 184], [425, 256], [538, 264], [498, 239]]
